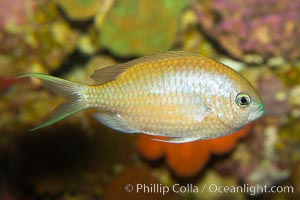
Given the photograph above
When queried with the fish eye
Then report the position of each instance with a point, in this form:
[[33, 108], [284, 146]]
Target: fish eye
[[243, 100]]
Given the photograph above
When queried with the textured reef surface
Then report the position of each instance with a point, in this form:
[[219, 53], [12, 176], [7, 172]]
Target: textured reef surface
[[78, 158], [264, 28]]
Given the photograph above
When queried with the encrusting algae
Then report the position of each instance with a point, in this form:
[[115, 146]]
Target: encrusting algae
[[176, 94]]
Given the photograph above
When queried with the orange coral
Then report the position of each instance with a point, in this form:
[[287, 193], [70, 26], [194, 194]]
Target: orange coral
[[150, 149], [188, 159], [227, 143]]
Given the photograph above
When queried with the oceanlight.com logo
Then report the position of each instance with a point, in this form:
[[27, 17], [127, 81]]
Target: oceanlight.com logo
[[250, 189], [213, 188]]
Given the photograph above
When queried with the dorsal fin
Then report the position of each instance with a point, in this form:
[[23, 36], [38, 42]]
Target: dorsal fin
[[110, 73]]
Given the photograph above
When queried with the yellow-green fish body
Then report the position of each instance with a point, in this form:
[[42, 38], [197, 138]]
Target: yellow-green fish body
[[176, 94]]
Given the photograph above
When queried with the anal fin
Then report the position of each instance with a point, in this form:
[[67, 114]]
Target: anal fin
[[178, 140], [114, 121]]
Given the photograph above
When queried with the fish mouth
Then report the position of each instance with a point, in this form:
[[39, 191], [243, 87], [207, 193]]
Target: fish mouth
[[261, 109], [258, 112]]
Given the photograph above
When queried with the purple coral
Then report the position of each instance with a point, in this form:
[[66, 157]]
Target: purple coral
[[265, 27]]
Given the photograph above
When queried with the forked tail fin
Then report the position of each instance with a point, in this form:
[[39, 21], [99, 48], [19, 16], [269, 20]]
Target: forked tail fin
[[70, 90]]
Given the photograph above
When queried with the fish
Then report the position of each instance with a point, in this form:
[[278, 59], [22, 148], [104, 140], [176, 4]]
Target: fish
[[181, 95]]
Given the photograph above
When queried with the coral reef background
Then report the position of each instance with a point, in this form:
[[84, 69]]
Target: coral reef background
[[79, 158]]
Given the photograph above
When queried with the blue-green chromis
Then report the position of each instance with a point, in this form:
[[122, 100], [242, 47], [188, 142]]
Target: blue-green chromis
[[177, 94]]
